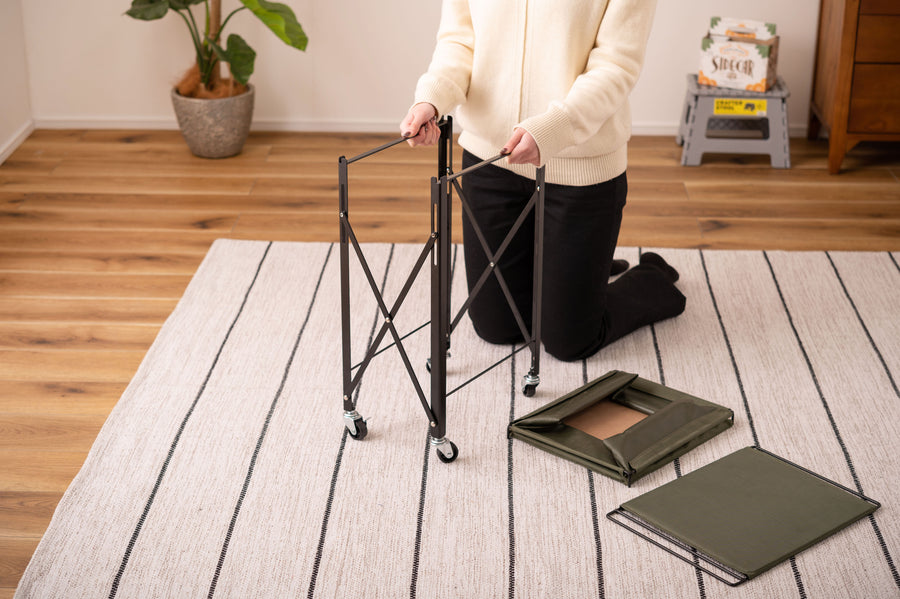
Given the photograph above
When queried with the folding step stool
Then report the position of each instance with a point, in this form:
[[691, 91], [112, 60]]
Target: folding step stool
[[699, 118]]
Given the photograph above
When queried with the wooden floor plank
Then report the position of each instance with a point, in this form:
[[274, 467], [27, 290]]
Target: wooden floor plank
[[801, 234], [111, 241], [103, 366], [368, 227], [112, 285], [97, 261], [77, 311], [318, 194], [116, 184], [66, 397], [26, 514], [48, 220], [15, 553], [38, 471], [35, 431], [65, 335]]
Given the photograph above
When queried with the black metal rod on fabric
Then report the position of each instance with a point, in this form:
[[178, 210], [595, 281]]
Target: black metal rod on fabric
[[639, 526], [819, 476]]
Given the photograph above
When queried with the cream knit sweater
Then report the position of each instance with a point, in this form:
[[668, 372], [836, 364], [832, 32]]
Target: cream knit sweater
[[560, 69]]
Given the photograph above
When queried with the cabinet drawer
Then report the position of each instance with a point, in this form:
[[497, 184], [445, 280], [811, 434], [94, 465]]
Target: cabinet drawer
[[878, 39], [879, 7], [875, 99]]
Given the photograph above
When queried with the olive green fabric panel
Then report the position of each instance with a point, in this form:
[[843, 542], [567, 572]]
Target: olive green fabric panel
[[676, 423], [749, 510]]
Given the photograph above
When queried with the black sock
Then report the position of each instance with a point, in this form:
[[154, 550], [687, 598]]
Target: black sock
[[618, 267], [655, 260]]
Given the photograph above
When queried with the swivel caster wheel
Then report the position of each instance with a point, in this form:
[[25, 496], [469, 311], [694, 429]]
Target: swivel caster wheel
[[356, 426], [361, 430], [529, 383], [446, 450]]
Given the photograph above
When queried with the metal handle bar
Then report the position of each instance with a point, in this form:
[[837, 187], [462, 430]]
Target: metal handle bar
[[389, 144], [475, 167]]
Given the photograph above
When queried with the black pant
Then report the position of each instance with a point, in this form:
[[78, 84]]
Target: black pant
[[582, 312]]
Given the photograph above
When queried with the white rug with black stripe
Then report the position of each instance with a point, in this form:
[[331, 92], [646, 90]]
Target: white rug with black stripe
[[225, 469]]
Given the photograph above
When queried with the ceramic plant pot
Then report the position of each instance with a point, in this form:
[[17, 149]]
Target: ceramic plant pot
[[214, 128]]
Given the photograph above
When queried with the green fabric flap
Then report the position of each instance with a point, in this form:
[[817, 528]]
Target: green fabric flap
[[749, 510], [571, 442], [650, 436], [695, 420], [597, 463], [552, 414]]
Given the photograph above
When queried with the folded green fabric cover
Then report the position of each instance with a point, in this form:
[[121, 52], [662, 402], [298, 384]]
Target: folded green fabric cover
[[748, 511], [676, 423]]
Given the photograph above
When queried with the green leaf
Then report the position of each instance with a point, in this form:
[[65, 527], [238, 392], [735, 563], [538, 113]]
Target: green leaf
[[771, 27], [763, 50], [148, 10], [239, 56], [281, 20], [713, 21], [705, 43]]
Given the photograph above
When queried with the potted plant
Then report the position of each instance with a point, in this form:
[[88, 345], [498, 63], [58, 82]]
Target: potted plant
[[214, 112]]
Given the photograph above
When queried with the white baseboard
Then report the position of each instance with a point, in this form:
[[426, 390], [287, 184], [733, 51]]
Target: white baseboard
[[9, 146], [259, 124], [105, 123]]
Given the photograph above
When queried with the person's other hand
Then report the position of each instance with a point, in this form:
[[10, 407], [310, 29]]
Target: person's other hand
[[419, 125], [521, 148]]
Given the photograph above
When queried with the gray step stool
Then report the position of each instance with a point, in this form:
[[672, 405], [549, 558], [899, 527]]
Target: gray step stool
[[701, 130]]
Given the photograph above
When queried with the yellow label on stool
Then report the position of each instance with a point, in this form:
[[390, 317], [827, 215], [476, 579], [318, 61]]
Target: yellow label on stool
[[739, 107]]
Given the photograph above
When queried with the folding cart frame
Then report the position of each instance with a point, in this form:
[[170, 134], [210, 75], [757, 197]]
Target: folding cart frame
[[438, 246]]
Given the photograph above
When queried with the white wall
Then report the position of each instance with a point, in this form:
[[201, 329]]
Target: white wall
[[15, 106], [91, 66]]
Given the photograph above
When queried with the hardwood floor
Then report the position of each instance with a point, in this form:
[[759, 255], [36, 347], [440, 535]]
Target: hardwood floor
[[100, 232]]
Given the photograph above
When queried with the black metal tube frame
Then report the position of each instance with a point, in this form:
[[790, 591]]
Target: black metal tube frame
[[438, 246]]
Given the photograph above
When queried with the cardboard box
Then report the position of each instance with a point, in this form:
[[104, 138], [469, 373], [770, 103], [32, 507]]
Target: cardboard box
[[739, 54]]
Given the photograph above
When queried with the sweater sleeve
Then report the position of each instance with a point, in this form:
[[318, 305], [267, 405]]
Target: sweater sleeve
[[612, 69], [446, 82]]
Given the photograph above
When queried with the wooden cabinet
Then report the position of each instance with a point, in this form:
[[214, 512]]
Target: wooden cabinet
[[856, 86]]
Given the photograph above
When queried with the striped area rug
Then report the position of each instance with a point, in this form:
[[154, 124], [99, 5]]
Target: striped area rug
[[225, 469]]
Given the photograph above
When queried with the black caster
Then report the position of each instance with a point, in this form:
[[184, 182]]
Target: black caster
[[529, 383], [446, 450], [356, 426], [361, 430]]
